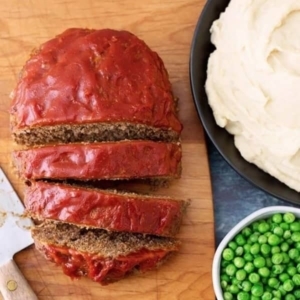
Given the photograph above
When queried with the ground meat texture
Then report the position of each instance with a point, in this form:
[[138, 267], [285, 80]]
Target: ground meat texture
[[104, 209], [116, 160], [94, 132], [103, 270], [87, 76]]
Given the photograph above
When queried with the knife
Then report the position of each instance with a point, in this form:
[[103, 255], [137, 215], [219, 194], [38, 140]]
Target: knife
[[14, 236]]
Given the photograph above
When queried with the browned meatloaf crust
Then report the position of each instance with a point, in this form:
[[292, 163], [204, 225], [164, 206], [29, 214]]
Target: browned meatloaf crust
[[104, 257], [110, 210], [93, 85], [95, 161]]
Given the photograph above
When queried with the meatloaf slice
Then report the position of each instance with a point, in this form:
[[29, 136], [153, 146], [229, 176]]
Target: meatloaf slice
[[110, 210], [93, 85], [102, 256], [112, 160]]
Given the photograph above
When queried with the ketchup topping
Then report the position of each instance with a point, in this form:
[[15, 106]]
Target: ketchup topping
[[122, 160], [104, 270], [86, 76], [103, 209]]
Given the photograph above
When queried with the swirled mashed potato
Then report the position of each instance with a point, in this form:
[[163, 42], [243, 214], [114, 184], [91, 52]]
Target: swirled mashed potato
[[253, 83]]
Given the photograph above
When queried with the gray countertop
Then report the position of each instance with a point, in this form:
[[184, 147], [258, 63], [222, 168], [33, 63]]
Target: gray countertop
[[234, 197]]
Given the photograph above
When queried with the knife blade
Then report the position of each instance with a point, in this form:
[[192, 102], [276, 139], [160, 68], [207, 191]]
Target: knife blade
[[14, 236]]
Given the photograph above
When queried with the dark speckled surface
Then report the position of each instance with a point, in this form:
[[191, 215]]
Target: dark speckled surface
[[234, 197]]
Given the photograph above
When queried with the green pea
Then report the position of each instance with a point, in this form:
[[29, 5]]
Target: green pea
[[249, 267], [243, 296], [255, 225], [255, 248], [225, 277], [240, 239], [228, 296], [287, 234], [284, 226], [293, 253], [262, 239], [277, 294], [265, 249], [259, 262], [224, 284], [232, 245], [246, 286], [289, 217], [239, 251], [228, 254], [288, 285], [267, 296], [239, 262], [254, 278], [297, 293], [291, 270], [247, 248], [248, 257], [234, 289], [275, 249], [231, 270], [257, 290], [284, 247], [264, 272], [277, 218], [253, 238], [273, 283], [296, 279], [263, 227], [295, 226], [290, 297], [297, 245], [246, 231], [286, 258], [277, 258], [240, 275], [278, 231], [295, 236], [274, 240]]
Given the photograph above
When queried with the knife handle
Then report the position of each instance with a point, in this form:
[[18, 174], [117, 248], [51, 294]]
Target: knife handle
[[13, 285]]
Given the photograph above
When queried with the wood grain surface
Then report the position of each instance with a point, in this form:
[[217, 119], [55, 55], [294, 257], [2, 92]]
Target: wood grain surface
[[167, 27]]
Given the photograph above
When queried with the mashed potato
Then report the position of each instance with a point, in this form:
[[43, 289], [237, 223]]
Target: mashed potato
[[253, 83]]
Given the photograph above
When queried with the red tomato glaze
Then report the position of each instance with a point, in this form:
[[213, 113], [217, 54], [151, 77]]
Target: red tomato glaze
[[103, 270], [86, 76], [121, 160], [102, 209]]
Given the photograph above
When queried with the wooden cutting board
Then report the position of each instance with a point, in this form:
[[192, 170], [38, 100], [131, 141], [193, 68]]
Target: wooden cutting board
[[167, 27]]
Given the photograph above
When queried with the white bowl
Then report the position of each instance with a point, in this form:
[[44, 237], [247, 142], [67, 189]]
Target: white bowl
[[257, 215]]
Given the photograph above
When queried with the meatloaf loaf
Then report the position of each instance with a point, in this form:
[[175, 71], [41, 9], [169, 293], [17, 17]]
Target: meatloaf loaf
[[111, 160], [103, 257], [110, 210], [93, 85]]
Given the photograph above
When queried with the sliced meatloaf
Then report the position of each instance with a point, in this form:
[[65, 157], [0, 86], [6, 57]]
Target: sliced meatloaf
[[110, 210], [95, 161], [93, 85], [103, 257]]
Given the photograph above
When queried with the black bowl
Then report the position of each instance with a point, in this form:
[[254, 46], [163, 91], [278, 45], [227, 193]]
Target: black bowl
[[223, 141]]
